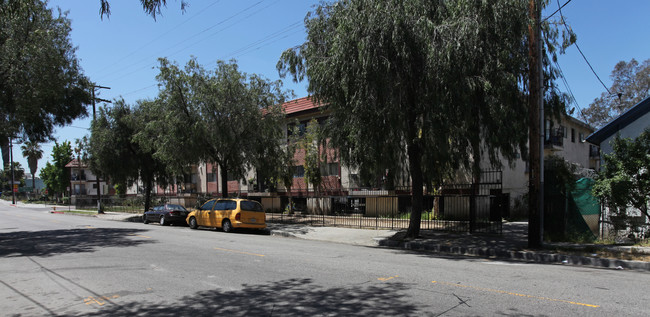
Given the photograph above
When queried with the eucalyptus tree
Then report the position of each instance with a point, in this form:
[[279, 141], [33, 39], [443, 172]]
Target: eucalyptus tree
[[151, 7], [114, 152], [32, 152], [435, 84], [630, 85], [223, 116], [41, 83]]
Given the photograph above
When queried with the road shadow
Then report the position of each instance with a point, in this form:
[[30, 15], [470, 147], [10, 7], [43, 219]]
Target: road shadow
[[54, 242], [293, 297]]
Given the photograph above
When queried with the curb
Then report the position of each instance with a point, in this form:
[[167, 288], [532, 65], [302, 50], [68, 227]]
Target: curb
[[526, 256]]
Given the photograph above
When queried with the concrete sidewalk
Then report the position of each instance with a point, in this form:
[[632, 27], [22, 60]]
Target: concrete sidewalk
[[511, 245]]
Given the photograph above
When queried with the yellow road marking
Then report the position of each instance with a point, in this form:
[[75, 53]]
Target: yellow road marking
[[101, 301], [139, 235], [387, 278], [242, 252], [90, 227], [516, 294], [54, 221]]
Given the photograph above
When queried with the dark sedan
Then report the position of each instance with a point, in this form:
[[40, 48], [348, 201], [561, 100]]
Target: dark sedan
[[166, 214]]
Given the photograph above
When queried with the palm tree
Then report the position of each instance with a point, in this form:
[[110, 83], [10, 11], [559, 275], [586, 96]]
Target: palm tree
[[32, 152]]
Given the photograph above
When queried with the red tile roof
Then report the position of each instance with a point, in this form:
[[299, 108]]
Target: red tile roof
[[75, 163], [299, 105]]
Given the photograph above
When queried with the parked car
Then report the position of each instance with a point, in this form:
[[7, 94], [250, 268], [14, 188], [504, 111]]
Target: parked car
[[166, 214], [228, 214]]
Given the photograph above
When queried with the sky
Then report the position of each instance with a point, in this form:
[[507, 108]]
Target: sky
[[121, 51]]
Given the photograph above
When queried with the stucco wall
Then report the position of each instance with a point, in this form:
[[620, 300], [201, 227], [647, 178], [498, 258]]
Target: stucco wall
[[631, 131]]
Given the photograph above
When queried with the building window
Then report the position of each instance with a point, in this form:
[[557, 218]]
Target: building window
[[212, 177], [563, 128], [329, 169], [299, 172], [581, 137], [573, 135], [301, 129]]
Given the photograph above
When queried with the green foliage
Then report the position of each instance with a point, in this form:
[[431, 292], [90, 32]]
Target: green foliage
[[114, 152], [630, 85], [311, 143], [559, 175], [55, 175], [32, 151], [625, 176], [41, 82], [5, 177], [151, 7], [225, 116], [435, 84]]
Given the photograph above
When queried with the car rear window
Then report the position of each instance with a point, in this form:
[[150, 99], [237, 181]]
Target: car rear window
[[176, 207], [251, 206]]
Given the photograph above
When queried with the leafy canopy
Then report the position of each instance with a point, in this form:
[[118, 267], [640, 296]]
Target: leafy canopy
[[435, 84], [114, 152], [223, 116], [151, 7], [625, 177], [630, 85], [55, 175], [41, 82]]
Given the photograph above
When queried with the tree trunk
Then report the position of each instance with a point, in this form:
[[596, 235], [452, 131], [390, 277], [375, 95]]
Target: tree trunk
[[415, 166], [4, 148], [147, 193], [224, 181]]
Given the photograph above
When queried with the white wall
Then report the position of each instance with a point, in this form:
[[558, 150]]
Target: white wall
[[631, 131]]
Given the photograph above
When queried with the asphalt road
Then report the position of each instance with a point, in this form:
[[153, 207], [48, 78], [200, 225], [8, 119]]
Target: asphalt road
[[53, 264]]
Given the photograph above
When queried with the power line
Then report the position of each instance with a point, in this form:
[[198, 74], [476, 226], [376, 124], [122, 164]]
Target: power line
[[556, 11], [184, 41], [160, 36], [265, 41], [579, 50], [138, 90], [566, 84]]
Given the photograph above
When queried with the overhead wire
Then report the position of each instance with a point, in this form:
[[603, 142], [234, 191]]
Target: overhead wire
[[556, 11], [579, 50], [264, 41], [203, 10], [180, 43]]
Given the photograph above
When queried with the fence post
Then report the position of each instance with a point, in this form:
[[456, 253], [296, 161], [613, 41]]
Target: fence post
[[472, 213]]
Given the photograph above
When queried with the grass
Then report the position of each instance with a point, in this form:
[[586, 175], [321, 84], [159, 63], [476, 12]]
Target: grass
[[79, 212]]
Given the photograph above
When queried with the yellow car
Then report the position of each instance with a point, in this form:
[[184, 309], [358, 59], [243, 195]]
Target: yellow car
[[228, 214]]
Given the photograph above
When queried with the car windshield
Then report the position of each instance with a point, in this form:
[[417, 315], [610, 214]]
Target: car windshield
[[251, 206], [176, 207]]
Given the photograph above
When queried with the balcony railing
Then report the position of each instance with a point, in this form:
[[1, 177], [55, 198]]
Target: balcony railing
[[554, 138]]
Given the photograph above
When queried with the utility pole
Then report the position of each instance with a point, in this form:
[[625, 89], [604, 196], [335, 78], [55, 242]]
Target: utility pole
[[13, 176], [535, 132], [99, 189]]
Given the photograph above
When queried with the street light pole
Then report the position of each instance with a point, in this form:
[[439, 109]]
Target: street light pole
[[99, 190]]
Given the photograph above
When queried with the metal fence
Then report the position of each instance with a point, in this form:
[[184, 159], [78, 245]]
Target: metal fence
[[457, 213], [130, 204]]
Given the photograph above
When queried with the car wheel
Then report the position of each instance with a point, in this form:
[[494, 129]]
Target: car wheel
[[144, 219], [226, 226], [162, 221], [193, 224]]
